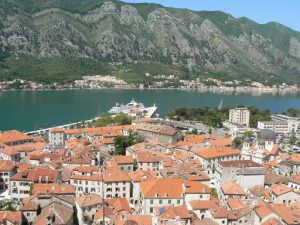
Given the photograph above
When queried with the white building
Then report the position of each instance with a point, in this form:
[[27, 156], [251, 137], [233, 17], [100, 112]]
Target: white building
[[56, 137], [239, 116], [246, 173]]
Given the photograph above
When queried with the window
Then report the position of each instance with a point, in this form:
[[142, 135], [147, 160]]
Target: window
[[178, 201], [160, 201], [169, 201], [151, 202], [151, 210]]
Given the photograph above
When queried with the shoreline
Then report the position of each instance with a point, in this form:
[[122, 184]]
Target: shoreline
[[214, 90]]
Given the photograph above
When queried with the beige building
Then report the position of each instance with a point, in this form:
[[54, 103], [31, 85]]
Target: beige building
[[162, 133], [239, 116], [161, 192]]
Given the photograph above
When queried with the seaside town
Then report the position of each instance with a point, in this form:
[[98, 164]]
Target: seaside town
[[159, 82], [153, 171]]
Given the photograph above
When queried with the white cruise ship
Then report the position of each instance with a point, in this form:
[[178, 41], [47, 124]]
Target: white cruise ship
[[133, 106]]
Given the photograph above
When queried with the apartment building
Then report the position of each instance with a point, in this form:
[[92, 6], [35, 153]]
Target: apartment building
[[239, 116]]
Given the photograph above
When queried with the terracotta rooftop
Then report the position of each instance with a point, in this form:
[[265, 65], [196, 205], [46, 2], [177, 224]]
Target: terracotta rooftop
[[119, 204], [7, 137], [217, 152], [160, 129], [240, 163], [6, 165], [196, 187], [146, 157], [12, 217], [89, 200], [124, 159], [36, 175], [232, 188], [54, 188], [280, 189], [162, 188]]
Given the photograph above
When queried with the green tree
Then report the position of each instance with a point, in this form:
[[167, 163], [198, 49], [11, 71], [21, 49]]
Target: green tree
[[293, 112], [122, 119], [214, 192], [31, 189], [123, 142], [194, 131], [292, 140], [237, 142]]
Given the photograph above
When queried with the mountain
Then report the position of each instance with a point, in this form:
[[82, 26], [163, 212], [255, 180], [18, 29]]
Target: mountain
[[61, 40]]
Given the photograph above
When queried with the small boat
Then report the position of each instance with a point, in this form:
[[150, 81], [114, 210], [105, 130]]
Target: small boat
[[220, 104]]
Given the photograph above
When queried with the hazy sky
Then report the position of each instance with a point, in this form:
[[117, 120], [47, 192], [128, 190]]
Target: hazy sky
[[286, 12]]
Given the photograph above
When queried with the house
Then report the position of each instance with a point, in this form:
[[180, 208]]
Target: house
[[21, 182], [231, 190], [87, 206], [282, 194], [136, 178], [125, 162], [147, 161], [201, 207], [115, 182], [56, 137], [7, 170], [195, 190], [172, 214], [162, 133], [55, 213], [246, 173], [295, 183], [54, 189], [9, 153], [10, 217], [160, 192], [29, 212], [14, 137], [210, 157]]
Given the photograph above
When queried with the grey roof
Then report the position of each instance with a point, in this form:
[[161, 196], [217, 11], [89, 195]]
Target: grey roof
[[266, 135]]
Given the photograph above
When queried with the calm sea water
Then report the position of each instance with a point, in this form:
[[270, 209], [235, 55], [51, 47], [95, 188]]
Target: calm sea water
[[27, 110]]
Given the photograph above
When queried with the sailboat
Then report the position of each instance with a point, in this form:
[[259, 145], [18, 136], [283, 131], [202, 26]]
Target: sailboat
[[220, 104]]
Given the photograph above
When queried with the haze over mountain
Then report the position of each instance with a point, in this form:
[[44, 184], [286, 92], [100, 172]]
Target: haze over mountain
[[55, 40]]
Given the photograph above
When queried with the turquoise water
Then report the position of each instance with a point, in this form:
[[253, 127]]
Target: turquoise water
[[27, 110]]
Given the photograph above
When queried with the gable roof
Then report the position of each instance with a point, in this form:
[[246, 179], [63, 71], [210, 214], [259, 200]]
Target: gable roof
[[232, 188], [13, 217], [217, 152], [162, 188], [89, 200]]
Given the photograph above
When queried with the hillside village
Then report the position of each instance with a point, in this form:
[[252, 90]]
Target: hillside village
[[169, 177]]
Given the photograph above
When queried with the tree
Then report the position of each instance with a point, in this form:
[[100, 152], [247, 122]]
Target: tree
[[122, 119], [293, 112], [194, 131], [123, 142], [31, 189], [214, 192], [292, 140], [237, 142]]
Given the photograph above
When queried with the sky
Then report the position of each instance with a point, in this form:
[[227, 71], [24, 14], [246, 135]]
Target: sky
[[286, 12]]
